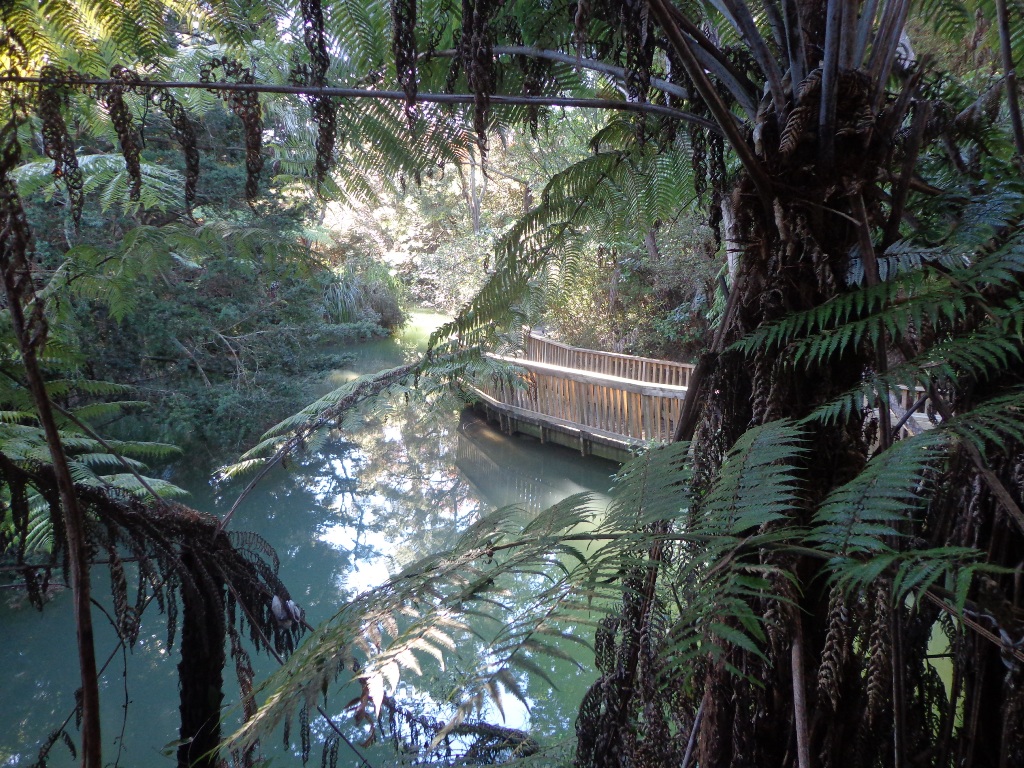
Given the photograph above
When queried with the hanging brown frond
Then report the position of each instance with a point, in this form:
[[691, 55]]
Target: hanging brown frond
[[184, 134], [246, 106], [126, 620], [833, 655], [57, 143], [803, 115], [16, 238], [638, 35], [403, 22], [112, 96], [879, 658], [581, 20], [537, 78], [323, 108], [637, 713], [476, 56]]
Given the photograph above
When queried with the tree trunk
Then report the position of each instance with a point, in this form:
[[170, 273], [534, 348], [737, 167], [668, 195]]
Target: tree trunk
[[201, 670], [30, 328]]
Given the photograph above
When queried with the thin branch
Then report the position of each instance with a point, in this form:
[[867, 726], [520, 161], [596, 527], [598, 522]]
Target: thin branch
[[794, 46], [593, 65], [803, 739], [898, 701], [864, 26], [192, 357], [713, 60], [867, 254], [736, 88], [692, 741], [995, 485], [884, 53], [829, 85], [902, 187], [1010, 75], [905, 416], [778, 26], [365, 93], [970, 622], [759, 48], [690, 412], [848, 37]]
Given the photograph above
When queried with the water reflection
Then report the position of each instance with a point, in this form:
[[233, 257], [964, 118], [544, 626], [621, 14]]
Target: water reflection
[[506, 471], [395, 489]]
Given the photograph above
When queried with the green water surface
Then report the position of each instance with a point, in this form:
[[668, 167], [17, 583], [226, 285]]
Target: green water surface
[[395, 488]]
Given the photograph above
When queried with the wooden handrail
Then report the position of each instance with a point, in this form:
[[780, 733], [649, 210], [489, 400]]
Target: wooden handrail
[[544, 350], [563, 345], [600, 379]]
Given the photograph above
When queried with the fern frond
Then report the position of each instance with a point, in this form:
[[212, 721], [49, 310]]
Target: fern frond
[[990, 425], [757, 484], [862, 516]]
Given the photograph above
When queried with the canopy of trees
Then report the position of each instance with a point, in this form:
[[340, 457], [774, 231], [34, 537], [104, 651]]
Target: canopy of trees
[[772, 588]]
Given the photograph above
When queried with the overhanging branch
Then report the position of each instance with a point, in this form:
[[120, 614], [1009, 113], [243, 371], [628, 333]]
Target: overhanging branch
[[363, 93], [567, 58]]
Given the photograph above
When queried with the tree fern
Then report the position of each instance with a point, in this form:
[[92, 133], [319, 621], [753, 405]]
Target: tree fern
[[105, 175], [878, 505], [415, 619]]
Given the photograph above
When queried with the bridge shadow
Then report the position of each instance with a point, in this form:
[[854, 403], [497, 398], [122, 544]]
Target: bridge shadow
[[519, 469]]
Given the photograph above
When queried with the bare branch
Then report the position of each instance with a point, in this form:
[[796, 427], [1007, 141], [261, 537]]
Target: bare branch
[[567, 58], [1010, 75], [364, 93]]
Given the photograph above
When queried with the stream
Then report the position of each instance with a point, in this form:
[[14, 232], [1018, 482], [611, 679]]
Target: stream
[[342, 519]]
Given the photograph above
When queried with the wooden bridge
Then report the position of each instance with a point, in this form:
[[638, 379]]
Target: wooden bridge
[[603, 403]]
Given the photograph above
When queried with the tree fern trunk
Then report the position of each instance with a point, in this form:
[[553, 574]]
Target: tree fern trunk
[[201, 670]]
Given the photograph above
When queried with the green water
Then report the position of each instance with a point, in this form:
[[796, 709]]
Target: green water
[[393, 489]]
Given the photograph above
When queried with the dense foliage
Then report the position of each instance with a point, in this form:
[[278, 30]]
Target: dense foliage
[[772, 588]]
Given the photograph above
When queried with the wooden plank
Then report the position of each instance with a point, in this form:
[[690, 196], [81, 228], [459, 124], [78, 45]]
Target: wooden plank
[[620, 421], [646, 414]]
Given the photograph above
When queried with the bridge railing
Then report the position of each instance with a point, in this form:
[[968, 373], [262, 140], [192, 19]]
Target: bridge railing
[[601, 404], [544, 350], [632, 400]]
